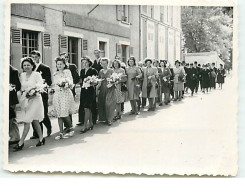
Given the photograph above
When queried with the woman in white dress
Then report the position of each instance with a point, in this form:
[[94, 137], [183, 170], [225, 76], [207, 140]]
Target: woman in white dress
[[31, 107], [63, 100]]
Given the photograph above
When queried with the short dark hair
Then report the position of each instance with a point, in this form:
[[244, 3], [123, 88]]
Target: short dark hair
[[30, 60], [195, 62], [177, 61], [148, 59], [90, 63], [105, 59], [191, 64], [132, 58], [61, 59], [118, 61], [35, 52]]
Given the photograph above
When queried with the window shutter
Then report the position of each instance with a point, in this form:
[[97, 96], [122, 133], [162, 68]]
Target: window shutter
[[63, 41], [46, 40], [85, 44], [15, 48], [119, 12], [131, 51], [16, 35], [119, 48]]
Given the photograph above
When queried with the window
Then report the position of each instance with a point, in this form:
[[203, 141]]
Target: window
[[102, 47], [124, 53], [73, 50], [123, 13], [29, 42]]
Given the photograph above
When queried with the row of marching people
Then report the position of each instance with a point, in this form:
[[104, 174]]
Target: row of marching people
[[105, 87]]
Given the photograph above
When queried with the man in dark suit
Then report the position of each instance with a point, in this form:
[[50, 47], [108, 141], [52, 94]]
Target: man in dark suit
[[14, 87], [198, 72], [75, 76], [97, 66], [45, 72], [97, 62]]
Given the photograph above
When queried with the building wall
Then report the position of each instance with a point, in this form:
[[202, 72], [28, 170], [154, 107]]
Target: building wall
[[143, 33], [162, 35]]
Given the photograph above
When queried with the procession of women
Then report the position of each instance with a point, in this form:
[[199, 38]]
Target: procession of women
[[105, 86]]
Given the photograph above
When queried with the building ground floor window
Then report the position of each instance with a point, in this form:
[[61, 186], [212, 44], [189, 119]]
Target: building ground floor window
[[29, 42]]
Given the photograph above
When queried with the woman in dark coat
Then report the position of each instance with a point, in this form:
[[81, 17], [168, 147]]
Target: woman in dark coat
[[87, 96], [166, 84], [205, 78], [221, 76]]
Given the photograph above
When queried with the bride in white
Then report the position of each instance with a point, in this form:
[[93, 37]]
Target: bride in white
[[31, 106]]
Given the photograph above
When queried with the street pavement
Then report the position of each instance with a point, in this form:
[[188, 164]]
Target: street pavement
[[192, 136]]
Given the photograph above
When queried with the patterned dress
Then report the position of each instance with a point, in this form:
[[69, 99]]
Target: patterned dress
[[32, 109], [119, 94], [63, 100]]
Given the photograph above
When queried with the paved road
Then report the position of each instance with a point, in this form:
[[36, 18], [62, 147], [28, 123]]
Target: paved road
[[193, 136]]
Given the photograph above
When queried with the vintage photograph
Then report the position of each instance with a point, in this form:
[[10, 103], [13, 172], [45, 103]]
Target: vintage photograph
[[137, 89]]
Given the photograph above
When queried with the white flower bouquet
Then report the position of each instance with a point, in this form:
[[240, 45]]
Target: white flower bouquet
[[90, 81], [65, 83], [34, 91], [113, 79]]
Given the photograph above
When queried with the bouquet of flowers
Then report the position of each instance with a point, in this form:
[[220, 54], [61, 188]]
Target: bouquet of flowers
[[113, 79], [11, 87], [90, 81], [34, 91], [65, 84]]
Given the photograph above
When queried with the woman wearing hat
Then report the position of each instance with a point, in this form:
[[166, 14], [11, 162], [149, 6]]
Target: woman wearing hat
[[149, 83], [179, 74], [221, 76]]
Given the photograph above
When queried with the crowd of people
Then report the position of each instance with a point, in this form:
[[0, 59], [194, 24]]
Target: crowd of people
[[105, 87]]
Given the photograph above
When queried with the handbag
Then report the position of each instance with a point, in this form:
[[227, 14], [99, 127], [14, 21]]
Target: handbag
[[124, 87], [181, 78]]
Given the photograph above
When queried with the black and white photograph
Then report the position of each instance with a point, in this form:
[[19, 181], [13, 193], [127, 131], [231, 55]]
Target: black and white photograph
[[122, 88]]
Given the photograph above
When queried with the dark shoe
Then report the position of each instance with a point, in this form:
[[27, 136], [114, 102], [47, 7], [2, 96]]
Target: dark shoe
[[91, 127], [137, 113], [160, 104], [84, 131], [149, 109], [115, 118], [13, 142], [49, 132], [80, 124], [119, 117], [40, 143], [109, 123], [33, 137], [18, 147]]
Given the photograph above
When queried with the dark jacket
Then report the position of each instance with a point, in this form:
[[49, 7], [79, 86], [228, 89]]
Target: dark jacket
[[97, 66], [45, 73], [14, 80], [74, 73]]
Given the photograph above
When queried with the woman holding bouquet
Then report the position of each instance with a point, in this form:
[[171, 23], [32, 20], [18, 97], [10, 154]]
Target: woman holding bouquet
[[31, 101], [179, 74], [88, 95], [119, 94], [107, 94], [149, 84], [63, 100], [166, 85], [133, 72]]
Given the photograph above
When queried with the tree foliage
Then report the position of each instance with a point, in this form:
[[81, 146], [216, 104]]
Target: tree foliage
[[208, 29]]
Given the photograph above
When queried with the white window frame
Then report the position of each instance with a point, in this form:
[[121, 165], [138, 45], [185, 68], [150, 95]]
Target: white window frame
[[107, 45]]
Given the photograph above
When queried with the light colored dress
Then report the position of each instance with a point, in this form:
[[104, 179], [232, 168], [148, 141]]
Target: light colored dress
[[119, 94], [133, 89], [63, 99], [178, 86], [152, 71], [106, 97], [32, 109]]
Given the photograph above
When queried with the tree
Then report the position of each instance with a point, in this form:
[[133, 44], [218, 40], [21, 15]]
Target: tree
[[208, 29]]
